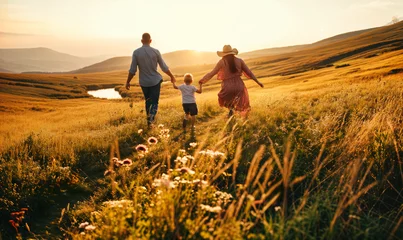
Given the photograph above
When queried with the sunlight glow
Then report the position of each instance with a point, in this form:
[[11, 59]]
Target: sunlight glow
[[116, 26]]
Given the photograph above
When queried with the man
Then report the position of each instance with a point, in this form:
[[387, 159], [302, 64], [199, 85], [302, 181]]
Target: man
[[146, 59]]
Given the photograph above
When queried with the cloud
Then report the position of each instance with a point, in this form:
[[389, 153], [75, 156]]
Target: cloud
[[12, 34]]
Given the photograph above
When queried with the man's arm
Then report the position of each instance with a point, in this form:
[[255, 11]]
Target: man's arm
[[173, 79], [129, 78], [176, 87], [132, 71], [200, 90], [164, 67]]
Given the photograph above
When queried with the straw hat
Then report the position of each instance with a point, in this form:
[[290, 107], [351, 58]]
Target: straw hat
[[227, 50]]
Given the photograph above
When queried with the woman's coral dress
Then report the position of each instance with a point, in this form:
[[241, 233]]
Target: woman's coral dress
[[233, 94]]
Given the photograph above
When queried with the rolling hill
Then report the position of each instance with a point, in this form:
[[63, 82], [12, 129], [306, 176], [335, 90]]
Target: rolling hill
[[41, 59], [365, 44], [379, 48], [173, 59], [2, 70], [191, 57]]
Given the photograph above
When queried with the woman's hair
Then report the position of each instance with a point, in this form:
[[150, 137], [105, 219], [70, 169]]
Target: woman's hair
[[230, 59]]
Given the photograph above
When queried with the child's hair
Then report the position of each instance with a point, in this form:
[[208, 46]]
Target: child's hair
[[188, 78]]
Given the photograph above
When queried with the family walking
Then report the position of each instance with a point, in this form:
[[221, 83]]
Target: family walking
[[233, 94]]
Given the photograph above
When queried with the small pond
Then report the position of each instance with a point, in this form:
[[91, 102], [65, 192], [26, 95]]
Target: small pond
[[108, 93]]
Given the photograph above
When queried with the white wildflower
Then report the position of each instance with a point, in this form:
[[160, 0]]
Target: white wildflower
[[211, 153], [186, 170], [83, 225], [90, 228], [208, 208], [198, 181], [117, 203]]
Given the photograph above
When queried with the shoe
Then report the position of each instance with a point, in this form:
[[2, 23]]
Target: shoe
[[230, 113]]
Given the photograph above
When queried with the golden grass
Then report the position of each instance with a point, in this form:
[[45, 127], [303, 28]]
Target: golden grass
[[332, 134]]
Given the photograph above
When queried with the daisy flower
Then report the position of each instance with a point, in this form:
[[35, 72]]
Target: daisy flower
[[152, 140], [127, 162], [142, 148]]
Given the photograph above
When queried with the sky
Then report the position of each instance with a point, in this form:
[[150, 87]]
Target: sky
[[114, 27]]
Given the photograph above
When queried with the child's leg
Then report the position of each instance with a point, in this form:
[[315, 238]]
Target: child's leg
[[185, 120], [193, 120]]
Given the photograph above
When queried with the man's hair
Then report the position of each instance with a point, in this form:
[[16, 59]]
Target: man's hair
[[188, 77], [146, 37]]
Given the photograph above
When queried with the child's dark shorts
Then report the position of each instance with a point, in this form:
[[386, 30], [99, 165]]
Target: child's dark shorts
[[190, 108]]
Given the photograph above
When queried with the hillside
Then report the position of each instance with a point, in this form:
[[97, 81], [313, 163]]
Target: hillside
[[367, 44], [190, 57], [173, 59], [271, 51], [342, 52], [41, 59], [2, 70], [329, 138]]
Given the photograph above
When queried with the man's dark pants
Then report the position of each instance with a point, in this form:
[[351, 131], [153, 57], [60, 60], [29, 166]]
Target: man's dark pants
[[152, 96]]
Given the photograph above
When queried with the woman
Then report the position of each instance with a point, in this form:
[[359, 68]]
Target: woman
[[229, 69]]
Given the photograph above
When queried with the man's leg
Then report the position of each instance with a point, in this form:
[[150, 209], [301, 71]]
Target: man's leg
[[146, 93], [154, 95]]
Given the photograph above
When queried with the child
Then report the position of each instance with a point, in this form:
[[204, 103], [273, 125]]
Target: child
[[188, 99]]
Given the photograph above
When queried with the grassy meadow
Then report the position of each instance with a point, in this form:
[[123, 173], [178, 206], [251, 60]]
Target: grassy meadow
[[319, 157]]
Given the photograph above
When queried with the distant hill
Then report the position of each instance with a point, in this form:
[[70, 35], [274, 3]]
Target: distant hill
[[339, 37], [271, 51], [296, 48], [4, 71], [362, 44], [41, 59], [109, 65], [173, 59], [191, 57]]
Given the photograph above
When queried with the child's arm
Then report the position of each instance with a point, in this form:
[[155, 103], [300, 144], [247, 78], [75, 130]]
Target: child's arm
[[200, 89], [173, 84]]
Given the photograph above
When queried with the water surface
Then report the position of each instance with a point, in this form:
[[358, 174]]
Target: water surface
[[108, 93]]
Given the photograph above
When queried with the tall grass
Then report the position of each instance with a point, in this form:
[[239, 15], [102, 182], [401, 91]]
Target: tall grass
[[311, 162]]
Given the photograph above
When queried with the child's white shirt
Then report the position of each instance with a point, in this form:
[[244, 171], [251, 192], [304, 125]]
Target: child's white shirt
[[188, 93]]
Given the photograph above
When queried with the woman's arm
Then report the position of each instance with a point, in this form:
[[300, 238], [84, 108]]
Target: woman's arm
[[249, 74], [209, 75], [200, 90], [174, 85]]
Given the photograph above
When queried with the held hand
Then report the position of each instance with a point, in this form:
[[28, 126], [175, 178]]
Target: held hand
[[260, 84], [127, 85], [173, 80]]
